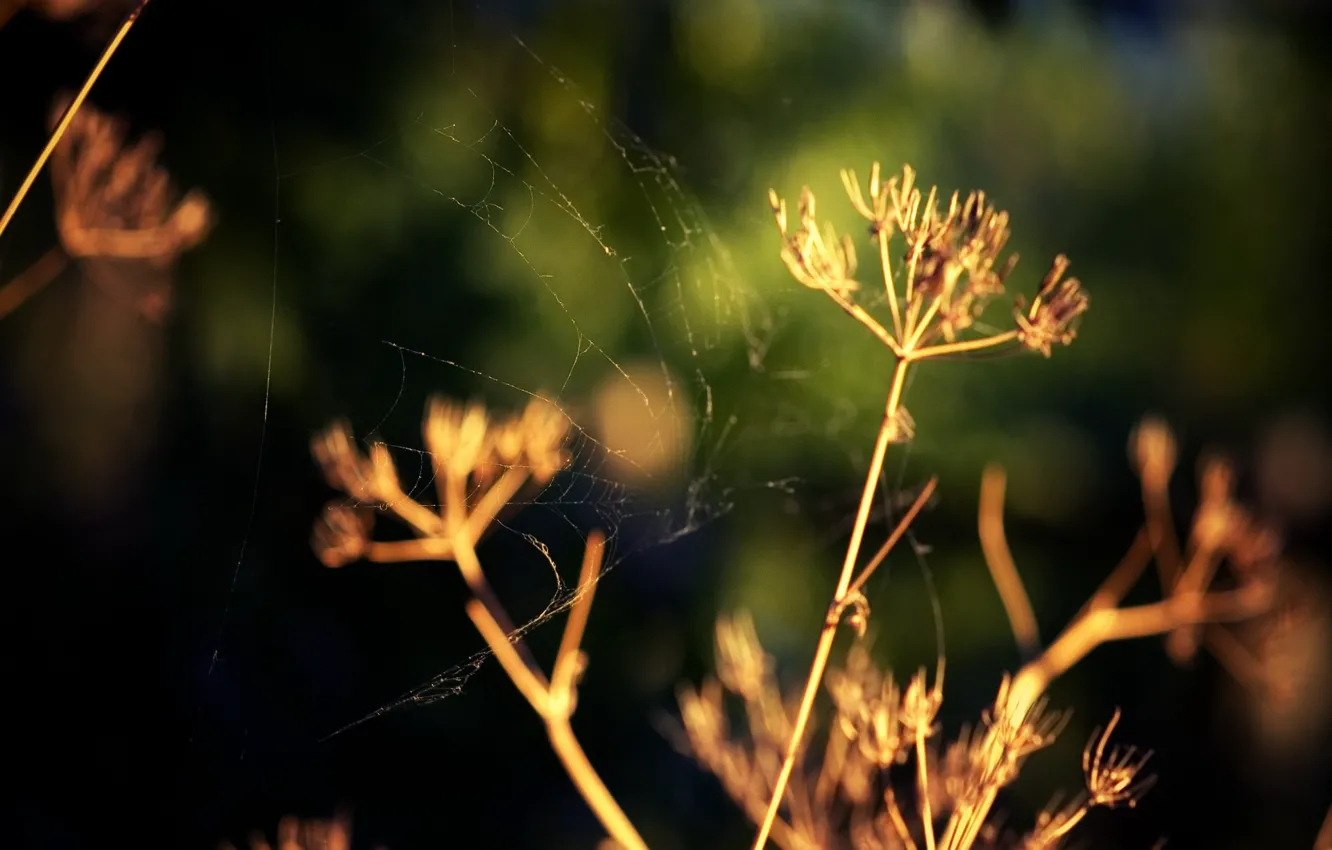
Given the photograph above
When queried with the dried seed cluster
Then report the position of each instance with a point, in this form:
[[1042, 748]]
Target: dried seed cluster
[[949, 269], [479, 464], [884, 780], [118, 211]]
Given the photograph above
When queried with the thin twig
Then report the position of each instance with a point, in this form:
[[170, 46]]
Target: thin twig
[[70, 112], [1124, 576], [922, 499], [554, 701], [1324, 839], [30, 281], [999, 559]]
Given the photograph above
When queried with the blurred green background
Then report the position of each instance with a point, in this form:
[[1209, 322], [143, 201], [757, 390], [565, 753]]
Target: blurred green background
[[570, 198]]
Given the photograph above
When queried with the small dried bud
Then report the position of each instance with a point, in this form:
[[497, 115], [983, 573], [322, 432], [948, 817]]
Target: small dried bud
[[742, 665], [1152, 450], [817, 260], [544, 429], [440, 429], [1051, 318], [920, 704], [1218, 520], [470, 441], [343, 536], [343, 466], [384, 486]]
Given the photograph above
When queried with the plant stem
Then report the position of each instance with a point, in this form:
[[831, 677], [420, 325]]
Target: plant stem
[[963, 346], [922, 772], [70, 112], [886, 432], [554, 700], [29, 281], [999, 559]]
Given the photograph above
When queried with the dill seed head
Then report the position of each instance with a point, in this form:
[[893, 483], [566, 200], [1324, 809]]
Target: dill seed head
[[1053, 314], [1112, 778]]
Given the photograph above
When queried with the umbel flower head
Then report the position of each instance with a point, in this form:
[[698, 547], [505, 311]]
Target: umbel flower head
[[1058, 304], [480, 463], [950, 268]]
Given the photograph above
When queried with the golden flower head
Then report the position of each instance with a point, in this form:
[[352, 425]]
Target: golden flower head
[[817, 260], [1052, 317]]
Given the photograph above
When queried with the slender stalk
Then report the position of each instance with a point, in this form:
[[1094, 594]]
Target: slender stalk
[[899, 822], [1161, 530], [1111, 624], [30, 281], [998, 557], [922, 326], [1125, 575], [70, 112], [859, 313], [589, 784], [554, 700], [464, 555], [963, 346], [829, 632], [922, 773], [898, 532], [888, 282], [530, 682]]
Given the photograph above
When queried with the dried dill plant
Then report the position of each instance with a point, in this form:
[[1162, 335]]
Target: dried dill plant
[[950, 267], [480, 466], [884, 780], [883, 739]]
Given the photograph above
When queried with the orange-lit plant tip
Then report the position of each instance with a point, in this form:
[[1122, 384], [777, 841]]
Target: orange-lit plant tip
[[952, 265], [480, 465]]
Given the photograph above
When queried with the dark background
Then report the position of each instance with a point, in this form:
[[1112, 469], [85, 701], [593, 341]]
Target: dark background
[[176, 658]]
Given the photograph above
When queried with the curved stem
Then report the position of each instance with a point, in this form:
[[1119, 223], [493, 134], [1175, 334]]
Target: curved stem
[[998, 557]]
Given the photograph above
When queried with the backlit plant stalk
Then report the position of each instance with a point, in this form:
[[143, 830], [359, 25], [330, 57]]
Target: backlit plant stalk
[[480, 466], [951, 268], [848, 799], [69, 114]]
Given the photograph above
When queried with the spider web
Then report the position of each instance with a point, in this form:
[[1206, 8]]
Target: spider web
[[537, 237]]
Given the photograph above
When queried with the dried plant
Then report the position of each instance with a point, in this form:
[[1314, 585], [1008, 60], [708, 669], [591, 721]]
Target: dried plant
[[480, 466], [950, 267], [885, 777], [880, 755], [116, 209], [74, 106]]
